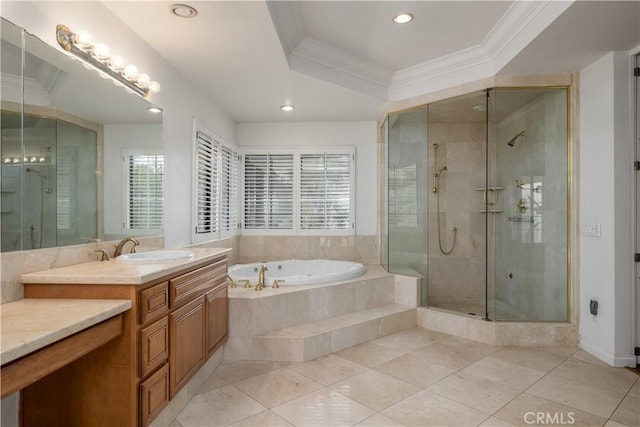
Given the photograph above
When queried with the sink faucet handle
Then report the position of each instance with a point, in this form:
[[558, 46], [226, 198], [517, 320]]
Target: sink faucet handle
[[104, 256], [276, 283]]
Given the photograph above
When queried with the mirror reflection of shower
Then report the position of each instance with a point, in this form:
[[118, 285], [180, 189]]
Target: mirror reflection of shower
[[32, 228], [512, 141], [436, 190]]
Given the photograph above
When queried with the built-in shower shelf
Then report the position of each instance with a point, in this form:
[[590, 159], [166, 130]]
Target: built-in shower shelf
[[492, 211], [7, 191], [6, 211]]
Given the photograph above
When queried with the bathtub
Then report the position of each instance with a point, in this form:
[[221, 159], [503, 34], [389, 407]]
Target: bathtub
[[298, 272]]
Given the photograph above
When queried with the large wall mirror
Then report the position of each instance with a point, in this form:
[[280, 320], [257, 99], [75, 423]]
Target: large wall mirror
[[81, 157]]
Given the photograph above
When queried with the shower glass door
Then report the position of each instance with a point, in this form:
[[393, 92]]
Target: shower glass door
[[407, 168], [528, 241]]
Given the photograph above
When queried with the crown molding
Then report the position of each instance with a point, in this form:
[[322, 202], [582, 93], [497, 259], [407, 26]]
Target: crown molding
[[520, 24], [329, 63]]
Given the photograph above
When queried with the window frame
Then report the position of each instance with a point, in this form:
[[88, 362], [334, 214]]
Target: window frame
[[296, 229]]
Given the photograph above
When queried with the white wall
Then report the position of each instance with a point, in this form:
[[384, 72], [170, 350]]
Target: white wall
[[179, 100], [362, 135], [606, 153], [116, 139]]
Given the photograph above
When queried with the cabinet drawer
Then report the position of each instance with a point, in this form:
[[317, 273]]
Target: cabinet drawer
[[154, 394], [154, 346], [190, 285], [154, 302]]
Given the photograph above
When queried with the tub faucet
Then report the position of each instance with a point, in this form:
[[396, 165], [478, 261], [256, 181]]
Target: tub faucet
[[260, 284], [123, 242]]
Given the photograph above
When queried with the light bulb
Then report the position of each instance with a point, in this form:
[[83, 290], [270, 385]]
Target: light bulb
[[117, 63], [33, 159], [143, 79], [84, 40], [6, 160], [154, 87], [42, 159], [130, 71], [17, 160], [101, 51]]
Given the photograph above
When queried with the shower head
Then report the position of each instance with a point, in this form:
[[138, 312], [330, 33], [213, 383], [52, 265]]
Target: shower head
[[444, 168], [34, 171], [512, 142]]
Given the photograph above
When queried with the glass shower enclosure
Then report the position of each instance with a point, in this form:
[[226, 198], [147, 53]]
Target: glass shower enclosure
[[477, 202]]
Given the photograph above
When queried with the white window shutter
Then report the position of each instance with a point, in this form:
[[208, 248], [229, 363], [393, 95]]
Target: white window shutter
[[325, 191], [229, 190], [207, 193], [268, 191]]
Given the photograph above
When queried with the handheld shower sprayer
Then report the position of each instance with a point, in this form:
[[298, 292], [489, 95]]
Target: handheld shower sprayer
[[512, 142], [443, 169]]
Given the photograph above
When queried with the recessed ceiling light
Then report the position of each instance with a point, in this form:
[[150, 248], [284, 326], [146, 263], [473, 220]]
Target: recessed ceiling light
[[154, 109], [287, 107], [183, 10], [403, 18]]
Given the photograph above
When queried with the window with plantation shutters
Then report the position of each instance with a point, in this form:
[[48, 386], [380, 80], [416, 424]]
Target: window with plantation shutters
[[216, 168], [229, 217], [325, 191], [207, 192], [299, 191], [268, 191], [144, 193]]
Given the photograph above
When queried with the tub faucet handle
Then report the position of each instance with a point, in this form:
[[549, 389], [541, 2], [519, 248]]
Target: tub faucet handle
[[232, 283], [276, 283], [246, 283]]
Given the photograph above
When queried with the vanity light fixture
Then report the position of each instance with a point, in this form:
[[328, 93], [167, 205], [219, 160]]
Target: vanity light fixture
[[287, 107], [403, 18], [154, 110], [183, 11], [98, 57]]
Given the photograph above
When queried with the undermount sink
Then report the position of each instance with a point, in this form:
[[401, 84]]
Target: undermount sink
[[155, 256]]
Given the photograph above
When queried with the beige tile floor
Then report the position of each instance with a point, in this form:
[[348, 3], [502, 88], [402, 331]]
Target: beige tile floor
[[420, 378]]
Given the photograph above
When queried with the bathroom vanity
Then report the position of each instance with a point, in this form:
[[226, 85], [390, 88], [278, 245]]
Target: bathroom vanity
[[178, 319]]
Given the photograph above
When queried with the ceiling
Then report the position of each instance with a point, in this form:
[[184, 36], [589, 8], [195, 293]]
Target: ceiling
[[344, 60]]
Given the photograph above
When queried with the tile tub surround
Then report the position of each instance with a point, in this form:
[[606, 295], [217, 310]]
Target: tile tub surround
[[516, 334], [400, 380], [303, 322], [32, 323], [14, 264], [363, 249]]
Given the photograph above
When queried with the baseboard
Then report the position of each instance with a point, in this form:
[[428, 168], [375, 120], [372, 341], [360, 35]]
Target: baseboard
[[618, 361]]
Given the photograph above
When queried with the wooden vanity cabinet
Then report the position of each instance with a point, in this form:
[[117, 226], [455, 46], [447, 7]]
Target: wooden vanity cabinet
[[175, 324]]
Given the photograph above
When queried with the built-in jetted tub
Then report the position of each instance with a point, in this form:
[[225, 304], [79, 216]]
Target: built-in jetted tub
[[298, 272]]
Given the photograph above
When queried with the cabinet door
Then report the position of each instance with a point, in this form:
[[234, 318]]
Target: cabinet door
[[186, 343], [217, 317]]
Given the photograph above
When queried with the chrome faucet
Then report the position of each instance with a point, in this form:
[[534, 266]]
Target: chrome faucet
[[123, 242], [260, 284]]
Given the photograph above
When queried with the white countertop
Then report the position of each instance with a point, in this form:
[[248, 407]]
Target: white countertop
[[33, 323], [116, 273]]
